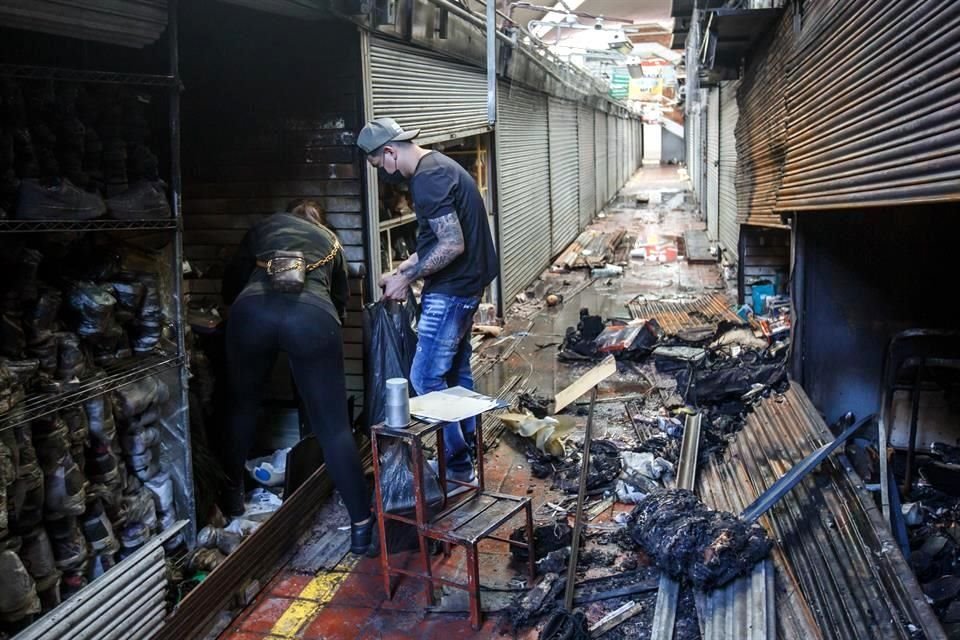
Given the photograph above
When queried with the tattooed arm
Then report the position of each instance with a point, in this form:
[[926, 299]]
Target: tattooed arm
[[449, 245]]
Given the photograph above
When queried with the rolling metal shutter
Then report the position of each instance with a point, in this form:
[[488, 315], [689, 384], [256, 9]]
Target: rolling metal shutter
[[713, 153], [524, 177], [444, 99], [612, 185], [889, 133], [600, 133], [564, 167], [588, 166], [762, 127], [729, 228], [130, 23]]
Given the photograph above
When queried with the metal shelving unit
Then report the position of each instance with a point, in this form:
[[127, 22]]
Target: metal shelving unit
[[30, 72], [42, 226], [108, 379], [117, 375]]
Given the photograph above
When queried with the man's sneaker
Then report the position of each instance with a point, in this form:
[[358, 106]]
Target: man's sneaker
[[133, 536], [144, 200], [98, 531], [136, 443], [69, 546], [57, 199], [37, 556], [468, 476], [161, 486], [65, 489], [102, 465], [72, 582], [18, 592]]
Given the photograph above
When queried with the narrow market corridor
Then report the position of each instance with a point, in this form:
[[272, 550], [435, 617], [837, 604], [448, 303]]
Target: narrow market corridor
[[348, 600]]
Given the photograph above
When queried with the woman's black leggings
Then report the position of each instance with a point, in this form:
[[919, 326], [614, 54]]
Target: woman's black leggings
[[260, 326]]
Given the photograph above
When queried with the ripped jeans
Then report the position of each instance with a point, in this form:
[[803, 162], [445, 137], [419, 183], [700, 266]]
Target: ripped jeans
[[443, 360]]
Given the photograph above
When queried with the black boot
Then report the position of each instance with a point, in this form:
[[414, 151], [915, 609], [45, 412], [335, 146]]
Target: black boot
[[363, 537]]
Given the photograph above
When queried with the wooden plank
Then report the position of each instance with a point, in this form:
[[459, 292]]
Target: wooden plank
[[584, 383], [490, 520], [615, 618], [467, 512], [697, 247]]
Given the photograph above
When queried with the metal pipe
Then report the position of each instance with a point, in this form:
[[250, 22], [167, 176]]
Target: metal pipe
[[581, 495], [491, 63]]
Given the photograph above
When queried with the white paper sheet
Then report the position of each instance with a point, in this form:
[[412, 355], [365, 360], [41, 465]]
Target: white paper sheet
[[451, 405]]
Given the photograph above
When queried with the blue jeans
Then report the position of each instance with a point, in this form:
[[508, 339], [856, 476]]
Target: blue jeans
[[443, 360]]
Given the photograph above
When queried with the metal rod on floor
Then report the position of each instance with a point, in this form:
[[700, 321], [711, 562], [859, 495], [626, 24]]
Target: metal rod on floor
[[581, 496]]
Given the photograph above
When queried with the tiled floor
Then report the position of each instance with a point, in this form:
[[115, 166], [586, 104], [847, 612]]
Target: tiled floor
[[350, 602]]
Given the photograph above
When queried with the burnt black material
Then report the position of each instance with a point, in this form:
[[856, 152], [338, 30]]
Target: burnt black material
[[695, 544], [547, 538], [605, 466]]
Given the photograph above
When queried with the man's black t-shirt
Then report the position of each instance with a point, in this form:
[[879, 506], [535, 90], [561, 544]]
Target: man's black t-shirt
[[440, 187]]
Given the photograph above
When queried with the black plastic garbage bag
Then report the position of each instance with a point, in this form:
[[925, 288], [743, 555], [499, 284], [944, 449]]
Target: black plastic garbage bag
[[396, 480], [391, 328]]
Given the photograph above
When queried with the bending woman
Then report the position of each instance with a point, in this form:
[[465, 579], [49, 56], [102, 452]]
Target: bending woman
[[265, 320]]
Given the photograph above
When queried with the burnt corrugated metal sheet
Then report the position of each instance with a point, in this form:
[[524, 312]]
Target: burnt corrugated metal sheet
[[564, 169], [524, 172], [840, 575], [676, 316], [762, 127], [889, 133]]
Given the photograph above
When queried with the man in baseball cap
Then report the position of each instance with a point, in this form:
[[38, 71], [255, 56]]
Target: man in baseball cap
[[381, 131], [455, 258]]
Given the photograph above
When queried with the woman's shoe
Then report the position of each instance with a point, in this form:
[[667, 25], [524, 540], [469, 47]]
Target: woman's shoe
[[361, 536]]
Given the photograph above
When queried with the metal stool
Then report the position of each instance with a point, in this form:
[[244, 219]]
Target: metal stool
[[475, 516]]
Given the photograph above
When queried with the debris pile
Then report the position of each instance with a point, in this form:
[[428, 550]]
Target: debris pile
[[695, 544]]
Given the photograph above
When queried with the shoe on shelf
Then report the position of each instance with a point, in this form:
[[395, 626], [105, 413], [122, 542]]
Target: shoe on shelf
[[98, 530], [18, 592], [137, 443], [65, 489], [144, 200], [69, 546], [37, 557], [468, 476], [161, 485], [57, 199], [102, 465]]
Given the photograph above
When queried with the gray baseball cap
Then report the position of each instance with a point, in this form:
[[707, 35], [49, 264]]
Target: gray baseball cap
[[380, 131]]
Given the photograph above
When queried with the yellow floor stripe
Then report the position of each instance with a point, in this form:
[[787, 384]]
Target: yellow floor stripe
[[312, 599]]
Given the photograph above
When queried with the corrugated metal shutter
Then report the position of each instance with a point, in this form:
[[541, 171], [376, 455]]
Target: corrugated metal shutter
[[444, 99], [611, 157], [127, 603], [713, 157], [564, 167], [524, 179], [889, 133], [129, 23], [729, 227], [762, 128], [600, 132], [588, 165]]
